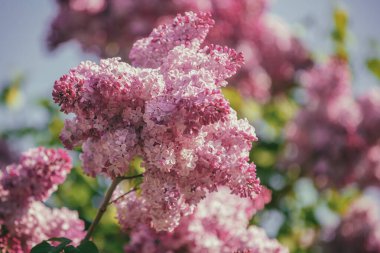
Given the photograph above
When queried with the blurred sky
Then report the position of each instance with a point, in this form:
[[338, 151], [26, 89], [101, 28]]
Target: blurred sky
[[24, 25]]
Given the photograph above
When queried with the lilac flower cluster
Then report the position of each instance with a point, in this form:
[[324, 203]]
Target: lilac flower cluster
[[334, 137], [359, 231], [34, 178], [219, 224], [110, 27], [168, 109], [24, 220], [40, 223]]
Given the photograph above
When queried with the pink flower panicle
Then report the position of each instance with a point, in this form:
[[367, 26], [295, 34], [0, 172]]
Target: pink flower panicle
[[169, 111], [328, 82], [10, 244], [370, 107], [217, 225], [90, 6], [24, 220], [41, 223], [188, 30], [34, 178], [110, 27], [358, 230], [332, 138]]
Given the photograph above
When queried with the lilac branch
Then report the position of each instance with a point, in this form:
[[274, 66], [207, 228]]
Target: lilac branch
[[132, 177], [123, 195], [106, 202], [103, 207]]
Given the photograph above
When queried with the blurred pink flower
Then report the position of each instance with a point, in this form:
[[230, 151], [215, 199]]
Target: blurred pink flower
[[359, 230], [24, 220], [110, 27], [370, 107], [41, 223], [34, 178], [332, 137]]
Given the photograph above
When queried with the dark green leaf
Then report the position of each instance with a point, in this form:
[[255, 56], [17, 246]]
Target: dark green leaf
[[43, 247], [88, 247], [60, 239], [71, 249], [63, 243]]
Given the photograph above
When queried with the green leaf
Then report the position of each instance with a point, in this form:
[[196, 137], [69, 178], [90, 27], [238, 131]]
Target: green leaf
[[48, 105], [341, 22], [71, 249], [339, 34], [63, 243], [55, 126], [60, 239], [11, 94], [43, 247], [374, 66], [88, 247]]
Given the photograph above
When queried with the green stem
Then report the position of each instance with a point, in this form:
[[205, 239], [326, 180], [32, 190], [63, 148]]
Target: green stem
[[103, 207]]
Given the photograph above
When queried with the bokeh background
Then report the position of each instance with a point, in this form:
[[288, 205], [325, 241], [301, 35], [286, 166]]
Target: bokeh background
[[298, 212]]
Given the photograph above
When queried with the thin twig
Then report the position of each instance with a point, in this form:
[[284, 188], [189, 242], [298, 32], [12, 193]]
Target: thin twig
[[103, 207], [132, 177], [122, 195], [106, 202]]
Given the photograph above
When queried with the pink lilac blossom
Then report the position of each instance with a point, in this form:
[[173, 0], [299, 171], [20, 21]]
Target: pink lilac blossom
[[323, 139], [370, 107], [219, 224], [168, 109], [110, 27], [41, 223], [34, 178], [359, 230], [332, 137], [10, 244], [369, 104], [24, 220]]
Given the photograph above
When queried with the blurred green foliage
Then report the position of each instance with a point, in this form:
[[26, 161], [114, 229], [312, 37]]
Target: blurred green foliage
[[373, 64], [10, 94], [339, 34], [63, 244]]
